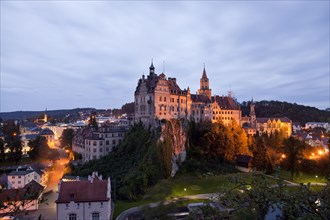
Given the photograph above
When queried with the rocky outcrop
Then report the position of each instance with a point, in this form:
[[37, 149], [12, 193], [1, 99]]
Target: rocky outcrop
[[175, 132]]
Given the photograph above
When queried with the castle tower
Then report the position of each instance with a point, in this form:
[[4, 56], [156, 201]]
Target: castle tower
[[152, 69], [253, 117], [45, 116], [204, 85]]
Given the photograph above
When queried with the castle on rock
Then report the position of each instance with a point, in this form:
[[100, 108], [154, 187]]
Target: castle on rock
[[159, 97]]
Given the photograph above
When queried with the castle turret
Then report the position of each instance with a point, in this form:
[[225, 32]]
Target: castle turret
[[253, 117], [204, 85]]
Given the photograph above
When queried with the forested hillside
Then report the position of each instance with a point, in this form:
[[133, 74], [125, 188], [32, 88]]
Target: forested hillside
[[297, 113], [134, 166]]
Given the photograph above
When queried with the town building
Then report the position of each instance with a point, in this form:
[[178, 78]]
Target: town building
[[158, 97], [18, 199], [84, 199], [254, 125], [19, 178], [94, 143], [311, 125], [23, 175]]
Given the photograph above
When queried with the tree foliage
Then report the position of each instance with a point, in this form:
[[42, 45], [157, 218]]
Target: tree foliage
[[293, 149], [66, 138], [13, 141], [133, 166], [255, 198], [38, 148], [297, 113]]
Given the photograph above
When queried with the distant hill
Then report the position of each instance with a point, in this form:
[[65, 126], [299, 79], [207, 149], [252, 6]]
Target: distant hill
[[21, 115], [295, 112]]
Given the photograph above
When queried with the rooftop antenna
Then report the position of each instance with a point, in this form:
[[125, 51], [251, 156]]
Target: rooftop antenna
[[163, 66]]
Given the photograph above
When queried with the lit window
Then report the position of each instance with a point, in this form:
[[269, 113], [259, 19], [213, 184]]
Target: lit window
[[72, 216], [95, 216]]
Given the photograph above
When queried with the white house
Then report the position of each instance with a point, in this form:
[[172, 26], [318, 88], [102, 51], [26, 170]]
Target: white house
[[19, 199], [84, 199], [312, 125], [19, 178]]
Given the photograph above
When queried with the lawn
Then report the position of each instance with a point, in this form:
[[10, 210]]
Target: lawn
[[186, 184], [301, 177]]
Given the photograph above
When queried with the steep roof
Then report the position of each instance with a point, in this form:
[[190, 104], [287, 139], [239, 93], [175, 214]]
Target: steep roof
[[244, 159], [226, 102], [200, 98], [20, 172], [83, 191], [264, 120], [32, 190]]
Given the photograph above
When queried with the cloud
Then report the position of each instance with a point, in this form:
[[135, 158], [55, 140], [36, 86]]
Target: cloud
[[83, 53]]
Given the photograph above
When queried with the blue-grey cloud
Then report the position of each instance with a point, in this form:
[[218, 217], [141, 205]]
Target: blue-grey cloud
[[65, 54]]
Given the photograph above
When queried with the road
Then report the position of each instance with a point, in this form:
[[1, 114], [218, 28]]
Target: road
[[47, 209]]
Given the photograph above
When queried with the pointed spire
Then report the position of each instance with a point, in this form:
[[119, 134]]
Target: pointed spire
[[152, 68], [152, 65], [204, 72]]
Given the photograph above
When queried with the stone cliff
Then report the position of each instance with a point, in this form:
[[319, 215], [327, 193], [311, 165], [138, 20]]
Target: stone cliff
[[174, 131]]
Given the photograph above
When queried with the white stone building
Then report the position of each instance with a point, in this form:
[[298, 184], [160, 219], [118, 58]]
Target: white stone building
[[19, 178], [84, 199]]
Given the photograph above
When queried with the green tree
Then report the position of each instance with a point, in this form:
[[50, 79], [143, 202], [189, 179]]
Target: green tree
[[38, 148], [261, 158], [254, 198], [2, 151], [13, 141], [293, 149], [66, 138]]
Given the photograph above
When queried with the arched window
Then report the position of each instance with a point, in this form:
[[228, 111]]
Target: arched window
[[72, 216], [95, 216]]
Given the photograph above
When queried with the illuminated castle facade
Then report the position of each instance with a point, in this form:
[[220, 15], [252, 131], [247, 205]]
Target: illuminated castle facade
[[158, 97]]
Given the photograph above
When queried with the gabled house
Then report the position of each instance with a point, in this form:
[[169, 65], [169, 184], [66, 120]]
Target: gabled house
[[84, 199], [26, 198]]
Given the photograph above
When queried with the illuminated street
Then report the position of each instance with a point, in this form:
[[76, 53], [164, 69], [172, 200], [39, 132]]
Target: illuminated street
[[47, 209]]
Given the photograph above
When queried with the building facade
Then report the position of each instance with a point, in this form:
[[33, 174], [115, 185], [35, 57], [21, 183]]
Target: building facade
[[253, 125], [93, 144], [158, 97], [84, 199]]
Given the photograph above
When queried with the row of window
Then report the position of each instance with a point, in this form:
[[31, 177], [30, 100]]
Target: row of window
[[78, 205], [223, 118], [95, 216], [107, 142], [171, 99], [222, 112]]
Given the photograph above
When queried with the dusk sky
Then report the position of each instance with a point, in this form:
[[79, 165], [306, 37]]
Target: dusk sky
[[69, 54]]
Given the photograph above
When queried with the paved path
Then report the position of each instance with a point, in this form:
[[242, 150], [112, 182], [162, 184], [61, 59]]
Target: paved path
[[125, 214]]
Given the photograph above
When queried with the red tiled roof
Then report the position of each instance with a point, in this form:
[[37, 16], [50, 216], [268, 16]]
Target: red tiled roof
[[200, 98], [83, 191], [31, 190], [226, 102]]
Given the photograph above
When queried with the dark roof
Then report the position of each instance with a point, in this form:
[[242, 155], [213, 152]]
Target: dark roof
[[46, 131], [83, 191], [31, 136], [19, 172], [32, 190], [38, 168], [264, 120], [226, 102], [244, 159], [200, 98]]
